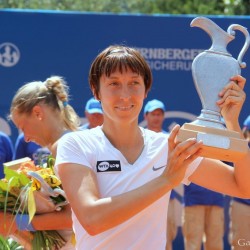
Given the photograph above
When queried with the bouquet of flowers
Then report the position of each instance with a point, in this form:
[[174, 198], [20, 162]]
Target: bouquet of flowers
[[32, 189]]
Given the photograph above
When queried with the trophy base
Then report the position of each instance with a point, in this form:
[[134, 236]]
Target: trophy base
[[218, 144]]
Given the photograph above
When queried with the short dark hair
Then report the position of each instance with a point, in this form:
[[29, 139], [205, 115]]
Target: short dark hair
[[118, 57]]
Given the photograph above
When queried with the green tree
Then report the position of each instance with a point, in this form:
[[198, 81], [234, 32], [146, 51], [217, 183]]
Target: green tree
[[204, 7], [237, 7]]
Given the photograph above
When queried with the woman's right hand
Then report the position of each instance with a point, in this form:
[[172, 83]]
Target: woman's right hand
[[180, 155]]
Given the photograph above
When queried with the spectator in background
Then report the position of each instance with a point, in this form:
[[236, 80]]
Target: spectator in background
[[239, 234], [30, 149], [203, 218], [154, 112], [94, 114], [23, 148], [154, 115], [6, 151]]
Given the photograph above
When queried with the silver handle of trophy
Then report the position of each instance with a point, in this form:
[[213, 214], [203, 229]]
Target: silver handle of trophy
[[231, 30]]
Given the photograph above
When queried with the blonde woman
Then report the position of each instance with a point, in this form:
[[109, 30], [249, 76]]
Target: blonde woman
[[42, 112]]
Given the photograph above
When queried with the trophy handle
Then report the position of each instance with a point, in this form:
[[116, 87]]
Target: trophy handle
[[231, 30]]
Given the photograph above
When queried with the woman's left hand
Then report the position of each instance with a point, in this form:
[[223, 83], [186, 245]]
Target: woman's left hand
[[232, 98]]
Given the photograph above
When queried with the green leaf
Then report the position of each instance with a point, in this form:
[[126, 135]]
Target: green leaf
[[21, 179], [3, 186], [51, 162], [3, 243]]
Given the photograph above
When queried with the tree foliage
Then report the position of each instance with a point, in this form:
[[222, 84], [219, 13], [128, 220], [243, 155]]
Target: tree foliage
[[205, 7]]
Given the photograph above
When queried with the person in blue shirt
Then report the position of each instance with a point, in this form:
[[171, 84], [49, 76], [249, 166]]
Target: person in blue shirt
[[203, 218], [154, 114], [239, 235], [154, 111], [6, 151], [93, 113], [23, 148], [203, 215], [30, 149]]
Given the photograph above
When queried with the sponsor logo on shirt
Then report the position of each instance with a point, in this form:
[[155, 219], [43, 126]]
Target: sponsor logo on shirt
[[108, 166], [158, 168]]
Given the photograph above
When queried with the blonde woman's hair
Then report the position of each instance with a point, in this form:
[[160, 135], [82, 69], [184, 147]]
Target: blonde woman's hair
[[53, 92]]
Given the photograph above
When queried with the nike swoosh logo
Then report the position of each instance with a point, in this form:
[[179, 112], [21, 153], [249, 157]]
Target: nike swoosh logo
[[155, 169]]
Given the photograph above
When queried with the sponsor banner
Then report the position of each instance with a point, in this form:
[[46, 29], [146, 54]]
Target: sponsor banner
[[37, 44]]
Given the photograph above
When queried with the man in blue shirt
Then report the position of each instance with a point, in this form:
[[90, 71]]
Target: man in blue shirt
[[31, 150], [6, 151], [203, 215], [23, 148], [93, 113], [154, 111]]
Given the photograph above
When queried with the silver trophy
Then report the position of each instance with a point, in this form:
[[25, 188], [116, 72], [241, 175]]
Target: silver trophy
[[211, 71]]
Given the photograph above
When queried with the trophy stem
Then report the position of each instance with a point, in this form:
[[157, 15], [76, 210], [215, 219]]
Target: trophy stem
[[209, 118]]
